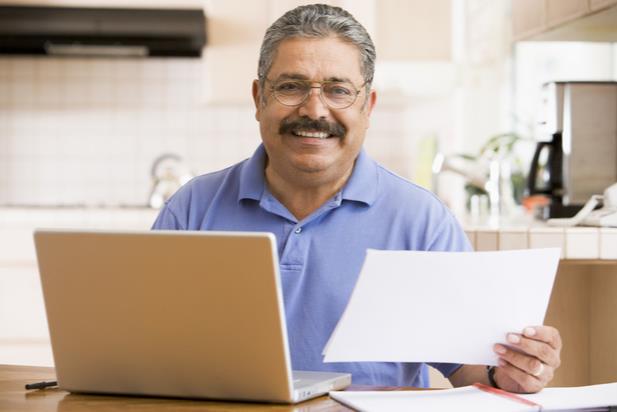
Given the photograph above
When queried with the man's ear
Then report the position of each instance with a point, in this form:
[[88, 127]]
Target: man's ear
[[256, 98], [370, 104]]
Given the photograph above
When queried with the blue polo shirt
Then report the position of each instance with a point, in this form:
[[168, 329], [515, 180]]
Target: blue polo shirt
[[321, 255]]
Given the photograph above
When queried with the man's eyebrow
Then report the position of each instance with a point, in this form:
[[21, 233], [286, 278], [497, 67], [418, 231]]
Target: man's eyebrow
[[297, 76], [291, 76], [339, 79]]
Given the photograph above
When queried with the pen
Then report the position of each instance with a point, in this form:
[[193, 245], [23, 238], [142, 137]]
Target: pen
[[41, 385]]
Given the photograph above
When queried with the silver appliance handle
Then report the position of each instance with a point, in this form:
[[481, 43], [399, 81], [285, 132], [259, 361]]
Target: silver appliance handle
[[95, 50]]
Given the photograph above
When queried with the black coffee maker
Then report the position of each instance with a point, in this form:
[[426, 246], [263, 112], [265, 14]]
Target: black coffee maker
[[546, 178]]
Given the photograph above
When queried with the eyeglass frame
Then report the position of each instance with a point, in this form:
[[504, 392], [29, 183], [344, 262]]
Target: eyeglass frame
[[320, 87]]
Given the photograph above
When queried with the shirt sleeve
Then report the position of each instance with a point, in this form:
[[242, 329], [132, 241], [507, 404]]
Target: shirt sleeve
[[449, 236], [446, 369], [167, 220]]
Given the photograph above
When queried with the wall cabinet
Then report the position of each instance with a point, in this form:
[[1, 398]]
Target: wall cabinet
[[400, 29], [528, 17], [412, 30], [560, 11], [569, 20], [601, 4]]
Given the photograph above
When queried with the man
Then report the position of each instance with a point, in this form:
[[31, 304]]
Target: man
[[311, 184]]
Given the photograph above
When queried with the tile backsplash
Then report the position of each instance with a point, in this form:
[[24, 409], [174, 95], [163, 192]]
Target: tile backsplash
[[85, 131]]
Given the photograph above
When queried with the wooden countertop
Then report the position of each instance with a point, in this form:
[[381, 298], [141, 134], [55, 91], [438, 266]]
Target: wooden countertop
[[14, 397]]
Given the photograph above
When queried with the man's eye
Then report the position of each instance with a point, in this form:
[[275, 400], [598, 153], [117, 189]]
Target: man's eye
[[338, 90], [290, 87]]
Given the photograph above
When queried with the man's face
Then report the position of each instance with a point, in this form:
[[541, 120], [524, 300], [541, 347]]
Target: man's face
[[292, 154]]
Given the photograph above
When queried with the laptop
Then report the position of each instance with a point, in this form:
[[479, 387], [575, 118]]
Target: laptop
[[171, 314]]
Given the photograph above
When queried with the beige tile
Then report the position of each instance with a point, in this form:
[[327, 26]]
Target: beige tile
[[513, 238], [487, 239], [608, 243], [582, 243], [543, 237]]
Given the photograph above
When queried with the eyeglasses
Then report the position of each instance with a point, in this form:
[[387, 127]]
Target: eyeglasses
[[335, 95]]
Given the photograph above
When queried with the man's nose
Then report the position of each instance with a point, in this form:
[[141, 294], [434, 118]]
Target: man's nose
[[314, 107]]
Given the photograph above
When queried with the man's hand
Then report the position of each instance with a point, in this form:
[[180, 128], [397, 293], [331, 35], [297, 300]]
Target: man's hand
[[529, 361]]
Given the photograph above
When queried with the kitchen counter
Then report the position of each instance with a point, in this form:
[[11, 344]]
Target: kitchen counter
[[523, 232], [520, 232], [18, 223], [95, 217]]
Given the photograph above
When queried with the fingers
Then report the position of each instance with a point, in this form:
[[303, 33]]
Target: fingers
[[537, 349], [529, 360], [524, 362], [546, 334], [538, 372], [519, 380]]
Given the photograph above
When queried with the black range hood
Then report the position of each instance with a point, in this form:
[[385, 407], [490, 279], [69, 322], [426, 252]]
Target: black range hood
[[102, 31]]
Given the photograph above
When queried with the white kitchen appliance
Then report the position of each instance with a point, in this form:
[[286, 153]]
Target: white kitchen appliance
[[590, 216], [577, 153]]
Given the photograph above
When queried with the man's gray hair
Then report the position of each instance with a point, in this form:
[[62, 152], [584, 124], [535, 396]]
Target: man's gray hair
[[317, 21]]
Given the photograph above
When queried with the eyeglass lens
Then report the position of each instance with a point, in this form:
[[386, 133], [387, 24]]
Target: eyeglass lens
[[338, 95]]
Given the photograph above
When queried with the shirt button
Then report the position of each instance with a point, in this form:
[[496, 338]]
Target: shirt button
[[298, 231]]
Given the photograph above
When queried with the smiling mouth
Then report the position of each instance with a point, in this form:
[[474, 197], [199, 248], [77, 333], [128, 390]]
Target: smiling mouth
[[315, 135], [319, 129]]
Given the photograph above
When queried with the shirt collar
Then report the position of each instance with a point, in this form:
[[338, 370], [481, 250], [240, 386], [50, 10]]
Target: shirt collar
[[361, 186], [363, 182], [252, 180]]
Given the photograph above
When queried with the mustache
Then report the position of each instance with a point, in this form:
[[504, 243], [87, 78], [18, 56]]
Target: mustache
[[304, 123]]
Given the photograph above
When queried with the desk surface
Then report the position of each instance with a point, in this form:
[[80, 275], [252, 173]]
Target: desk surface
[[13, 397]]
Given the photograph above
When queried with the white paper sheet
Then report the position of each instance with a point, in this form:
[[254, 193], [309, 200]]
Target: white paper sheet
[[411, 306], [469, 398], [465, 399], [592, 396]]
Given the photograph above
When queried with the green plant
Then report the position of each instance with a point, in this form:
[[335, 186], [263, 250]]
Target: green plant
[[500, 147]]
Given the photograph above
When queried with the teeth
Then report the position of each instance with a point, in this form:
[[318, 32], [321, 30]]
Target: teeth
[[318, 135]]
